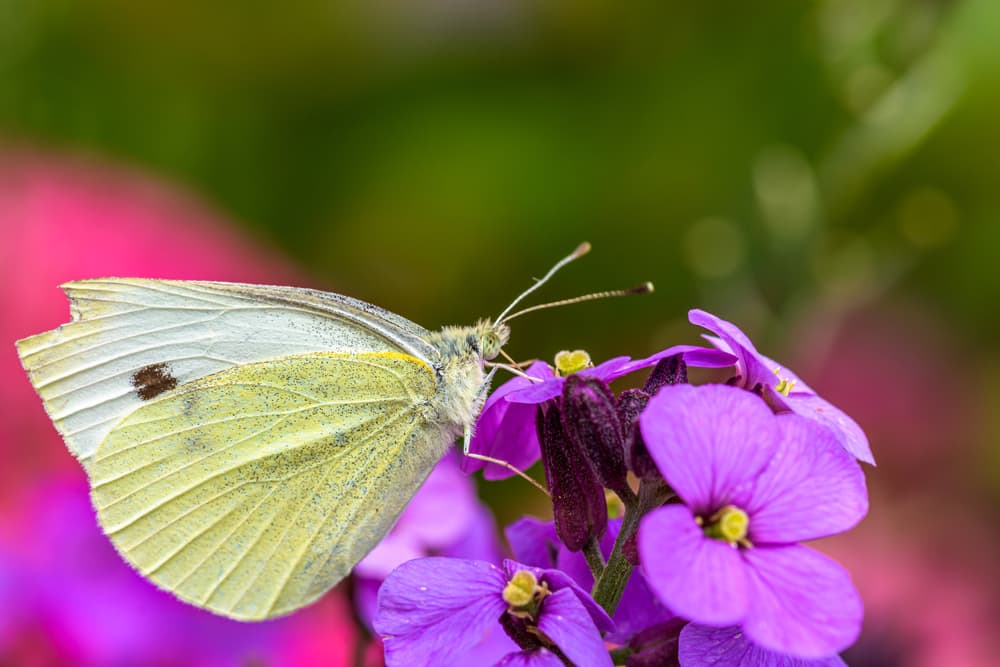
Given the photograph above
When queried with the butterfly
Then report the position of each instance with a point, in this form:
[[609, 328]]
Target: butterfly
[[247, 445]]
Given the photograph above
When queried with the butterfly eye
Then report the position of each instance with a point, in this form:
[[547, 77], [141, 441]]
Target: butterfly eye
[[489, 344]]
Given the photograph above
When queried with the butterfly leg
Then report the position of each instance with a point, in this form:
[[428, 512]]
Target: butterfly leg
[[513, 370], [505, 464]]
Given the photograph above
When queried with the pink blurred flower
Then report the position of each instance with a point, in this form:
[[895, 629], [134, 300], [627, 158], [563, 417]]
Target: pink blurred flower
[[927, 574], [67, 596], [902, 373]]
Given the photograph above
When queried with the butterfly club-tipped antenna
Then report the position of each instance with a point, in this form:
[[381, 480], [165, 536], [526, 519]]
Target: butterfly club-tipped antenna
[[581, 250]]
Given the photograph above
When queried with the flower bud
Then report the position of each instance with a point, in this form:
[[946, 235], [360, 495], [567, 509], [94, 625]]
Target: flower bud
[[631, 403], [578, 506], [670, 370], [590, 420]]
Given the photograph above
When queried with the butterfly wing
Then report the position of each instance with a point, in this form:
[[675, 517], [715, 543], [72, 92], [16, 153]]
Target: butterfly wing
[[252, 491], [131, 339]]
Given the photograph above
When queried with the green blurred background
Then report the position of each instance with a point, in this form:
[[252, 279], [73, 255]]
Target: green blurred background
[[822, 173]]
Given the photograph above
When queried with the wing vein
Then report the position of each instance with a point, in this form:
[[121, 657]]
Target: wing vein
[[309, 542]]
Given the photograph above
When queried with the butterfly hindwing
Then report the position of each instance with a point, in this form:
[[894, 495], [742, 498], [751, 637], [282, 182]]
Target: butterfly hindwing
[[132, 339], [253, 490]]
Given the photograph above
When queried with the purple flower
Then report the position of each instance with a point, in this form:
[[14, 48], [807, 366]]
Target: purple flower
[[534, 542], [506, 430], [752, 485], [433, 610], [728, 647], [780, 387]]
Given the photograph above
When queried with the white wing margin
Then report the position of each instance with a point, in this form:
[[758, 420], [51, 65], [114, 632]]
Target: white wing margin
[[132, 339]]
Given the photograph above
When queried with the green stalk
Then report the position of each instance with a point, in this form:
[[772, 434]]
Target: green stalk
[[608, 587]]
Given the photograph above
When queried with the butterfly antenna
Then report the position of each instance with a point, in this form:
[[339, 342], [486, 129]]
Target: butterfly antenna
[[644, 288], [580, 251]]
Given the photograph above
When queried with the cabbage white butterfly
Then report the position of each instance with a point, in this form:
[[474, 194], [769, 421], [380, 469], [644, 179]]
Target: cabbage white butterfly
[[247, 445]]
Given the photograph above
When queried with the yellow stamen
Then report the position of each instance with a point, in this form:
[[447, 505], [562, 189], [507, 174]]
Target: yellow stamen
[[520, 590], [729, 524], [568, 363], [784, 384]]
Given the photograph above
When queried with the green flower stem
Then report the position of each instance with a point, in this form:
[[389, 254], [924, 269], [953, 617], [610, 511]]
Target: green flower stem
[[608, 587], [595, 561]]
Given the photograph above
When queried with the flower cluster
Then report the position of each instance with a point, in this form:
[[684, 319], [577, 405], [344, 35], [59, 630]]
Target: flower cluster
[[695, 559]]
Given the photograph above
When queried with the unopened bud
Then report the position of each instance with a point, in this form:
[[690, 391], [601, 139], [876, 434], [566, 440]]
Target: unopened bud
[[631, 403], [578, 506], [670, 370], [590, 419]]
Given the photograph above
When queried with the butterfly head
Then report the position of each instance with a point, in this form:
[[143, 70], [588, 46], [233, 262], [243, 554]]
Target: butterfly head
[[488, 337]]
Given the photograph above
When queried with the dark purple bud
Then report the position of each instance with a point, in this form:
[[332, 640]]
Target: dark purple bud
[[656, 646], [578, 505], [631, 403], [590, 419], [517, 628], [671, 370]]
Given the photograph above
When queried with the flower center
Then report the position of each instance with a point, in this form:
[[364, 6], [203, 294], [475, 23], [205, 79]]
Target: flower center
[[524, 594], [520, 590], [568, 363], [784, 384], [729, 524]]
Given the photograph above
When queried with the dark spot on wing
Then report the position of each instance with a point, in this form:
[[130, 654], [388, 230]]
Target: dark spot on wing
[[153, 380]]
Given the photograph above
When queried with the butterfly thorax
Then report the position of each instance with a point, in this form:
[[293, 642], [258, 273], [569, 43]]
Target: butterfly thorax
[[463, 351]]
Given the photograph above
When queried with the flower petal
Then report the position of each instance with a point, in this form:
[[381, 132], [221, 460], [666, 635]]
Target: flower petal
[[811, 488], [566, 622], [728, 647], [695, 576], [480, 541], [394, 550], [435, 609], [693, 355], [536, 392], [609, 370], [751, 363], [755, 368], [533, 542], [709, 442], [539, 657], [845, 429], [558, 581], [801, 602], [505, 430], [443, 509]]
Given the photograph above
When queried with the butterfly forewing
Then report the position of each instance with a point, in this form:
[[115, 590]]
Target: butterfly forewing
[[253, 490], [133, 339]]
